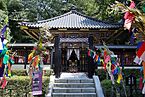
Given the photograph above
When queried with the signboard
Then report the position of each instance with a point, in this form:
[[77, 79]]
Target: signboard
[[37, 83], [131, 80]]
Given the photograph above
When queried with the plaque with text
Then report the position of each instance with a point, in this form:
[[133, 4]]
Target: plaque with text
[[37, 83]]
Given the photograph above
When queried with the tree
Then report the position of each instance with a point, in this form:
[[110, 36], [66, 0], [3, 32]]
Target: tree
[[3, 12]]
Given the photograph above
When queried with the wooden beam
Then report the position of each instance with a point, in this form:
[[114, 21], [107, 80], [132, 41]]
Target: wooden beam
[[30, 35]]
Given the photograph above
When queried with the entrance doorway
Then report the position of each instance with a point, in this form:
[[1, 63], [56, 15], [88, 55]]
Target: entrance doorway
[[73, 61]]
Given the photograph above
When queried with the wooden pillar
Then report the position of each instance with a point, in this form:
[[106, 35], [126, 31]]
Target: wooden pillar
[[91, 65], [57, 65], [51, 60], [25, 58]]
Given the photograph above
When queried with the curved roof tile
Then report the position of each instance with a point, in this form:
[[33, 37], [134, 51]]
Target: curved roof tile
[[72, 19]]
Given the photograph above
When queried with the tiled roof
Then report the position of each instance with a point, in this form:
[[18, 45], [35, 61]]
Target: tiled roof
[[73, 19]]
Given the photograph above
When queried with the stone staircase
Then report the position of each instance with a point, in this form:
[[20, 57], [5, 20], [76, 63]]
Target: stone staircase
[[73, 85]]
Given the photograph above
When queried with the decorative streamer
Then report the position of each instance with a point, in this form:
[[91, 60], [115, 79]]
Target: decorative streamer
[[30, 56], [1, 46], [96, 58], [129, 17], [5, 59], [89, 54], [1, 62], [3, 52], [119, 78], [2, 70], [4, 82], [143, 63], [110, 64], [3, 30], [140, 83], [143, 90]]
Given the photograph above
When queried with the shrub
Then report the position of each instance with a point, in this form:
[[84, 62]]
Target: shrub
[[24, 72], [19, 72], [20, 86], [136, 72], [47, 72], [126, 72], [106, 85], [101, 73]]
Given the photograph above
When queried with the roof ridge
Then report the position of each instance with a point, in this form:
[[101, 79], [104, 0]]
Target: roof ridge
[[57, 17], [65, 14], [78, 13]]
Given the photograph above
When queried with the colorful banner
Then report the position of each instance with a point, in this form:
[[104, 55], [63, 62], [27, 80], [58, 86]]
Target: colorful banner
[[129, 17], [37, 83]]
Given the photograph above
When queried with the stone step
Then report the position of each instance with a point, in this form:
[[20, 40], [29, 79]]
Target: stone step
[[79, 75], [74, 85], [73, 81], [74, 90], [74, 95]]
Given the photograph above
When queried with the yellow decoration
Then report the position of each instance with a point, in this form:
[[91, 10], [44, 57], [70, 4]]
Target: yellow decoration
[[30, 56], [119, 78], [102, 61], [109, 66], [23, 27]]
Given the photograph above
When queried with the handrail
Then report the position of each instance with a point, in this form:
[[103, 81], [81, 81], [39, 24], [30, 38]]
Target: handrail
[[98, 87]]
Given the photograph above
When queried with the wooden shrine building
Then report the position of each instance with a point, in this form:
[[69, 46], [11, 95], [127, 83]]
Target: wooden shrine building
[[73, 34]]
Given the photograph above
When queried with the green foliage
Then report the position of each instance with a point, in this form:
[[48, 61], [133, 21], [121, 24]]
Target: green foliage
[[3, 5], [101, 73], [106, 85], [3, 15], [135, 72], [15, 8], [19, 72], [24, 72], [107, 89], [47, 72], [126, 72], [20, 86], [43, 9], [3, 12]]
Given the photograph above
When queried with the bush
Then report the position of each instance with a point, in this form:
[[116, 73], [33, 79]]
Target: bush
[[126, 72], [20, 86], [136, 72], [101, 73], [19, 72], [111, 90], [47, 72], [24, 72], [106, 85]]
